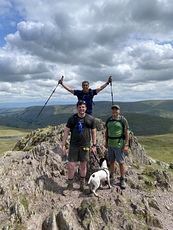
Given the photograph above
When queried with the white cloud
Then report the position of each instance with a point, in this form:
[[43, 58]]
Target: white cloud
[[130, 40]]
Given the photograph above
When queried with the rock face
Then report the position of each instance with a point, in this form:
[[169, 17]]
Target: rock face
[[33, 176]]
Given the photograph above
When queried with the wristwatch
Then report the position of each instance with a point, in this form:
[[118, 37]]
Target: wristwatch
[[94, 145], [126, 145]]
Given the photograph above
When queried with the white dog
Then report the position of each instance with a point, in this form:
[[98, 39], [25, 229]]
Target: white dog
[[96, 179]]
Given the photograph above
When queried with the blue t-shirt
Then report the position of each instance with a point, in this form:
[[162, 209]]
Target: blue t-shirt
[[87, 97]]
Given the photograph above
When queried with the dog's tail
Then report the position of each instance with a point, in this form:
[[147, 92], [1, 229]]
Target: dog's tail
[[89, 181], [91, 177]]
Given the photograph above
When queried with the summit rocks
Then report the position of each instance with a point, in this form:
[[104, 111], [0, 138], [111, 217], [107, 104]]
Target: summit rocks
[[33, 176]]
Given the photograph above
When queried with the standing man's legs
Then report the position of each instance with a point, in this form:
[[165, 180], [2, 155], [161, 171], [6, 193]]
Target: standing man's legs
[[111, 158], [122, 173], [83, 169], [71, 170], [122, 169], [112, 167], [116, 154], [84, 158], [72, 159]]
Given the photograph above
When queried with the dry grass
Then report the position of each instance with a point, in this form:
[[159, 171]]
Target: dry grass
[[159, 147], [9, 137]]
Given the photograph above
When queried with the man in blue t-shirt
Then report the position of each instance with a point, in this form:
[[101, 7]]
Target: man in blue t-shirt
[[86, 94]]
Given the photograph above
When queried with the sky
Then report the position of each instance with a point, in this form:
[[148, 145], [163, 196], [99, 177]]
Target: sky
[[43, 40]]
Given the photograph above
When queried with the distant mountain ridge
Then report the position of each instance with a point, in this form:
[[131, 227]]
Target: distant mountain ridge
[[149, 117]]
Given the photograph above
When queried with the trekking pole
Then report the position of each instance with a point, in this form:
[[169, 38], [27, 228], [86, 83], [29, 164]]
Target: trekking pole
[[112, 93], [49, 97]]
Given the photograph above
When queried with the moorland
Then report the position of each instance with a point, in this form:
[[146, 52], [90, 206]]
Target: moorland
[[151, 121]]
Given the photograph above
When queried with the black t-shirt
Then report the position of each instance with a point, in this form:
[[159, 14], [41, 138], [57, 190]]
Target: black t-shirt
[[81, 138]]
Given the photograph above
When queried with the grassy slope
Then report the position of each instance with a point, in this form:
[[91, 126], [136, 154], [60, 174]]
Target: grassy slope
[[145, 117], [151, 121], [9, 137], [7, 145], [159, 147]]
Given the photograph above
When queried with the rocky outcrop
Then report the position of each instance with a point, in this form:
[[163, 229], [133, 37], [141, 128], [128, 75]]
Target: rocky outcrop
[[33, 176]]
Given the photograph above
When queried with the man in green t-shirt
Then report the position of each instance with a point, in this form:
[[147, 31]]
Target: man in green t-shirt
[[83, 128], [117, 139]]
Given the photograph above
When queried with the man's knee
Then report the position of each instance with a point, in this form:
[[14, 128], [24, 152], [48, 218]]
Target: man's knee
[[71, 165], [83, 165]]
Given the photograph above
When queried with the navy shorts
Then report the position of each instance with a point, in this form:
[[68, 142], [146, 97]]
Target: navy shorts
[[116, 154]]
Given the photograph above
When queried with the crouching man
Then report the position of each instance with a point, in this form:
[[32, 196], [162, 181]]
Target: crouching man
[[83, 128]]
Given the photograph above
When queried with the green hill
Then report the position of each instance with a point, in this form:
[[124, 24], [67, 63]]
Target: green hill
[[145, 117]]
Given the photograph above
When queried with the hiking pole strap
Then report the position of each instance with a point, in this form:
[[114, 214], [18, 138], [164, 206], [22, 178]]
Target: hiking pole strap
[[49, 98]]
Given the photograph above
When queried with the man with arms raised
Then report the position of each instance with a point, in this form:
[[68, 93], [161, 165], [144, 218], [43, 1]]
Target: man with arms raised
[[86, 94]]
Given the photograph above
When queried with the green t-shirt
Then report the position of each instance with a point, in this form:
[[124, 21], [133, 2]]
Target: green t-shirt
[[81, 138], [116, 135]]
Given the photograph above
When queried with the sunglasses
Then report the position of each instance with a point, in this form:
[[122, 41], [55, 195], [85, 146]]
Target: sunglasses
[[81, 102]]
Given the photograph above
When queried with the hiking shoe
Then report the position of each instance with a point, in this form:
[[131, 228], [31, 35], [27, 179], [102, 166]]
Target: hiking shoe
[[112, 179], [69, 189], [82, 184], [86, 191], [122, 182], [83, 187]]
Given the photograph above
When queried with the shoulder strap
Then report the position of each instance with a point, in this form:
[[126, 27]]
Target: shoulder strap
[[121, 120], [75, 121], [91, 95], [109, 119]]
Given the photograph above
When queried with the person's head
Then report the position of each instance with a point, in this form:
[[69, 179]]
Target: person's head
[[81, 106], [85, 86], [115, 110]]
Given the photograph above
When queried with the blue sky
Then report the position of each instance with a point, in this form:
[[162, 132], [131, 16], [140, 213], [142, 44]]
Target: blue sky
[[130, 40]]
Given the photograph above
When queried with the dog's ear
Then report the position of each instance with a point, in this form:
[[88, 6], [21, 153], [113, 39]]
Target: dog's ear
[[108, 163], [101, 161]]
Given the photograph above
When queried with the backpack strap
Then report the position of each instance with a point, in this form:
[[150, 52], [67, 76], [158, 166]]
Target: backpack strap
[[75, 121], [90, 93], [121, 120]]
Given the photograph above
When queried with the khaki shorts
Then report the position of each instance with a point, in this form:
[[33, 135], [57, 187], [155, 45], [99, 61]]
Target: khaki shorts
[[78, 154]]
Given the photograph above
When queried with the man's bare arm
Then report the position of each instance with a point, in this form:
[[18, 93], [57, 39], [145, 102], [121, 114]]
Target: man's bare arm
[[104, 85], [66, 87]]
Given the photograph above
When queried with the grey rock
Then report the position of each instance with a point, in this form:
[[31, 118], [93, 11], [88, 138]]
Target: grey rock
[[33, 176]]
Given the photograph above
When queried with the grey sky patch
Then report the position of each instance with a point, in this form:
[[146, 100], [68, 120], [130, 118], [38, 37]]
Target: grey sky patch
[[130, 40]]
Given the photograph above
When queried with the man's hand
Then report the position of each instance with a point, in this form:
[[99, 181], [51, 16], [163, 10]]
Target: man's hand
[[64, 153], [106, 145], [60, 81], [110, 79], [64, 157]]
